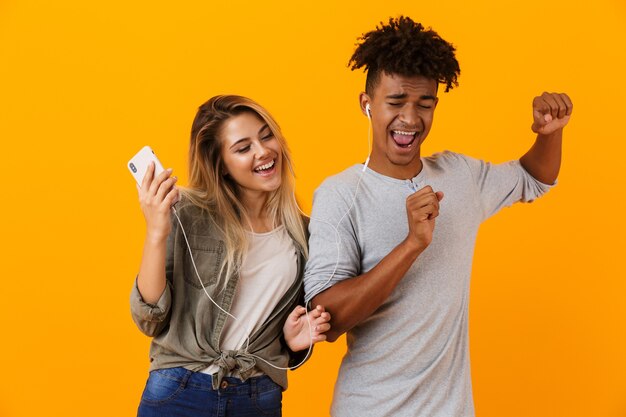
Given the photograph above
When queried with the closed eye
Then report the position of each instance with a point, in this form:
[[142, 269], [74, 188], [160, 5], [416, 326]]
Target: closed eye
[[244, 149]]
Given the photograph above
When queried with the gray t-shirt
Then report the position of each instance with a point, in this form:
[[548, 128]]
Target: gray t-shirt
[[411, 357]]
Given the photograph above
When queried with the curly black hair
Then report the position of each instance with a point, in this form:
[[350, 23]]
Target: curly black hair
[[404, 47]]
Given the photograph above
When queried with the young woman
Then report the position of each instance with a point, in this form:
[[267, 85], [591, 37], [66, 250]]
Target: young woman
[[221, 274]]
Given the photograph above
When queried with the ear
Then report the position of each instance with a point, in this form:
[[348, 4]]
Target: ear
[[364, 100]]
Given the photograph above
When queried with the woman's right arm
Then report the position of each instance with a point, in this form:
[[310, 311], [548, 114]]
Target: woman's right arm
[[156, 196]]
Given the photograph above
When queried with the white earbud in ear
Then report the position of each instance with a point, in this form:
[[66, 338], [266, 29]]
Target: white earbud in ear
[[367, 110]]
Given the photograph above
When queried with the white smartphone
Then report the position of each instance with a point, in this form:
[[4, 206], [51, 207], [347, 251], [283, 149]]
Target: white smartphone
[[138, 164]]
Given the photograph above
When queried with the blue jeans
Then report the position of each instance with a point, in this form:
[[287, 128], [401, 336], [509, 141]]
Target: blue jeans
[[180, 392]]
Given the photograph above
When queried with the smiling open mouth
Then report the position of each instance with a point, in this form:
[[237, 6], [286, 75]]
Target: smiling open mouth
[[265, 167], [403, 138]]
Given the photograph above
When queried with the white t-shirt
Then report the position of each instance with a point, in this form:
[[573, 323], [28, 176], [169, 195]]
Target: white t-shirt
[[267, 272]]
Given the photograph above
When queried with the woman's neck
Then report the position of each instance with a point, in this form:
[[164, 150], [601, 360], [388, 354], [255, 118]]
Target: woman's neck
[[256, 211]]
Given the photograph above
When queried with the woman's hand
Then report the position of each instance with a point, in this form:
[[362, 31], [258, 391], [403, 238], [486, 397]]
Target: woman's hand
[[296, 328], [156, 196]]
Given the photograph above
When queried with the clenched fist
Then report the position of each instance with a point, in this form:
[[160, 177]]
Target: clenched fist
[[422, 207], [551, 112]]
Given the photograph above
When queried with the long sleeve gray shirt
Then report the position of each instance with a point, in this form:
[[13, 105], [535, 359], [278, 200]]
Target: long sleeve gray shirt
[[410, 357]]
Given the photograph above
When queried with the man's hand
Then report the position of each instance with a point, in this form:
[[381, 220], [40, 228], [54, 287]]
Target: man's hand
[[551, 112], [296, 329], [422, 207]]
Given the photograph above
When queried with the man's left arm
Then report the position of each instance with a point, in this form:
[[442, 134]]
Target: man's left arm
[[551, 112]]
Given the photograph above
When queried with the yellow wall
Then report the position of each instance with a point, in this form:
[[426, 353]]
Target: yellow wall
[[83, 85]]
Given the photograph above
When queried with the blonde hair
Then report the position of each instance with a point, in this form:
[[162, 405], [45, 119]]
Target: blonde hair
[[217, 194]]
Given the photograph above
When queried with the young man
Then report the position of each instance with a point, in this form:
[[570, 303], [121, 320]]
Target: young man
[[392, 264]]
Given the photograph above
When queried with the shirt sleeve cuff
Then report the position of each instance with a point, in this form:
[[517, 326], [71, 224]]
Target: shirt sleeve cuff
[[147, 311]]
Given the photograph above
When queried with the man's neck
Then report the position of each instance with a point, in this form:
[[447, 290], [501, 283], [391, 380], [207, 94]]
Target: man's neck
[[400, 172]]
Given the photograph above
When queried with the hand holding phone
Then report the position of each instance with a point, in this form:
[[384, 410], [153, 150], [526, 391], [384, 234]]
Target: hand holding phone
[[157, 191], [138, 164]]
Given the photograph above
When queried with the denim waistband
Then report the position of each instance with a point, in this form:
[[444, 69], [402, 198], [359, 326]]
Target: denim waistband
[[202, 381]]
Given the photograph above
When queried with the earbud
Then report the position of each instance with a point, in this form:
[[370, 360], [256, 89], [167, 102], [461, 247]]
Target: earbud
[[367, 110]]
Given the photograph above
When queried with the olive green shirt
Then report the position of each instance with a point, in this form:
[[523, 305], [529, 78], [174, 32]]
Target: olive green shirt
[[186, 326]]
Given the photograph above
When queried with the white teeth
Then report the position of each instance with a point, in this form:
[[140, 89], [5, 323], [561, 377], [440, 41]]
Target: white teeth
[[266, 166], [402, 132]]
